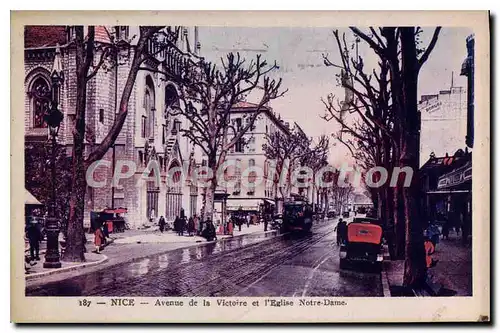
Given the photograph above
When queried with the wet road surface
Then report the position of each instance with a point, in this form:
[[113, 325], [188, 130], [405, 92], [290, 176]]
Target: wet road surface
[[286, 265]]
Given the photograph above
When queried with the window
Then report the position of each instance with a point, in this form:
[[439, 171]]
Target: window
[[238, 123], [143, 126], [141, 157], [163, 135], [40, 95], [101, 116], [238, 147], [149, 107], [251, 162], [251, 145]]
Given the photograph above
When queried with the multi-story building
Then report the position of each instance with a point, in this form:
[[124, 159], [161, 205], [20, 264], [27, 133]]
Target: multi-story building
[[443, 122], [149, 132], [259, 192]]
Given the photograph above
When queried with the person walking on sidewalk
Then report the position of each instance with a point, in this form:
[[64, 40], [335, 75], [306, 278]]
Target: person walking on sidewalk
[[198, 224], [161, 223], [34, 236], [191, 226], [183, 225], [230, 227], [98, 239], [152, 215], [178, 225], [248, 221]]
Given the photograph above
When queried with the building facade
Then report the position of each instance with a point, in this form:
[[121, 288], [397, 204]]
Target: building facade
[[149, 132], [252, 191], [445, 110]]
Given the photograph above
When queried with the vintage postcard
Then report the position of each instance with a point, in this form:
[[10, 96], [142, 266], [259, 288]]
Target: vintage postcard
[[250, 167]]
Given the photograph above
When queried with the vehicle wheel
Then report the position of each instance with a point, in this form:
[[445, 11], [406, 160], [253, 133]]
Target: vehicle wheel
[[343, 264]]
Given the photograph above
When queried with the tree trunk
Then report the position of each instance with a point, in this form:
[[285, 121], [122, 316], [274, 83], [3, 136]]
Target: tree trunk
[[74, 243], [210, 190], [75, 235], [415, 265], [399, 223]]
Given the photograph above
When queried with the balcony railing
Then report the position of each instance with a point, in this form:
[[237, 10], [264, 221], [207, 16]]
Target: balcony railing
[[176, 62]]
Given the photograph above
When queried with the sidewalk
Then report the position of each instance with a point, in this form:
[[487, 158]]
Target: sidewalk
[[453, 270], [133, 245], [38, 271]]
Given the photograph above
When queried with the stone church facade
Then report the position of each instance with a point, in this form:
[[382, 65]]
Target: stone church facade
[[149, 133]]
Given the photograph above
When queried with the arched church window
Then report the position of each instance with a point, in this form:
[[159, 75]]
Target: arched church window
[[40, 101], [149, 106]]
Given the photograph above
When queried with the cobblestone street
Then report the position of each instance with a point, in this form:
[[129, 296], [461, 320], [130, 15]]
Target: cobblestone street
[[249, 265]]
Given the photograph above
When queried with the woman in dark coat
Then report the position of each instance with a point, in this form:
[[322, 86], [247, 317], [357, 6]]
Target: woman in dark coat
[[177, 225], [190, 226], [161, 223]]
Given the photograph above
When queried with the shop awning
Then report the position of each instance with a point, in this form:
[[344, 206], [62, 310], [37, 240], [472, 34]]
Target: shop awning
[[29, 199], [244, 204]]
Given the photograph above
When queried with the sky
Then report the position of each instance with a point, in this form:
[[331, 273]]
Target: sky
[[298, 53]]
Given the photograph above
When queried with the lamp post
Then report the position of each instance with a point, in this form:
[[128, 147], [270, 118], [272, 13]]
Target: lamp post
[[53, 118]]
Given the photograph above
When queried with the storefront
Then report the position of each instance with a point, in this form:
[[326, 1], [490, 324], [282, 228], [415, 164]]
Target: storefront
[[447, 183]]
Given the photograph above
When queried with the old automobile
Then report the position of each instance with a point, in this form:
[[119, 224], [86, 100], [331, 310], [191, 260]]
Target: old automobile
[[363, 243]]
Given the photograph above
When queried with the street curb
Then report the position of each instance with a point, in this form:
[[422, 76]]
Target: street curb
[[385, 283], [35, 276], [385, 280]]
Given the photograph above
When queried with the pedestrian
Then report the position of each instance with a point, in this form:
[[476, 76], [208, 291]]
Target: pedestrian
[[248, 221], [152, 215], [230, 228], [98, 239], [34, 236], [240, 222], [341, 229], [183, 225], [433, 233], [161, 223], [265, 222], [446, 230], [177, 225], [429, 251], [105, 232], [191, 226]]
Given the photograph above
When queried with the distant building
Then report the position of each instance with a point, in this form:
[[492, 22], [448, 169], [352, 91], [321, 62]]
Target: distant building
[[443, 122], [248, 152]]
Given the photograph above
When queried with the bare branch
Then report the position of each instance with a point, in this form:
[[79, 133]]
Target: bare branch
[[429, 48]]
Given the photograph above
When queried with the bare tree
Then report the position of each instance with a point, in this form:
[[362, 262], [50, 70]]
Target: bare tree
[[402, 57], [90, 58], [288, 150], [208, 94]]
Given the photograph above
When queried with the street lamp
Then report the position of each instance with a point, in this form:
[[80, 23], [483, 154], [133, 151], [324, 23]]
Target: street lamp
[[53, 118]]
